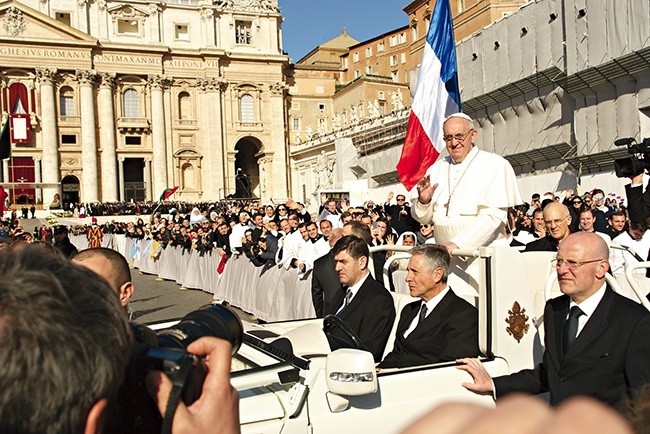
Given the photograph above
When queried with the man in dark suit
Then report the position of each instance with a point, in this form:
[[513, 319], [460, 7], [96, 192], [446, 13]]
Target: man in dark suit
[[367, 307], [326, 291], [557, 219], [441, 326], [596, 340]]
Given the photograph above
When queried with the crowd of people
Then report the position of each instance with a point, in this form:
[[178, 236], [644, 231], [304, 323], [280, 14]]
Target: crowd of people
[[594, 338]]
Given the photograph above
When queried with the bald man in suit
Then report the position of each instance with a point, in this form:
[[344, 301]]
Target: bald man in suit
[[596, 340]]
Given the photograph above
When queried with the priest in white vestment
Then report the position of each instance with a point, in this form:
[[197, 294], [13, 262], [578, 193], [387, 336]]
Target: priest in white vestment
[[466, 195]]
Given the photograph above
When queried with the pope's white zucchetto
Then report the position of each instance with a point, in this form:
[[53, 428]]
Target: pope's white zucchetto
[[459, 115]]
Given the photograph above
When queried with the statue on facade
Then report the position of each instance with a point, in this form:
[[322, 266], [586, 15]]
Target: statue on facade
[[353, 116], [325, 171], [309, 133], [336, 122], [322, 128], [397, 101], [373, 110]]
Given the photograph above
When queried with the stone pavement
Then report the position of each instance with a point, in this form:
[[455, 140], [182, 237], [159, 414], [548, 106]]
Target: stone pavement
[[157, 300]]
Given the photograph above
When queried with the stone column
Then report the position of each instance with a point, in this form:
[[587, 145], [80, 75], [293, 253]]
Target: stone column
[[51, 169], [154, 21], [207, 27], [157, 84], [278, 186], [231, 156], [37, 178], [121, 181], [107, 138], [88, 136], [82, 16], [147, 179]]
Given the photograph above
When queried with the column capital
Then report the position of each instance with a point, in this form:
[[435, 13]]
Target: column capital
[[46, 75], [159, 82], [278, 88], [207, 14], [121, 159], [155, 9], [208, 84], [107, 80], [86, 76], [101, 4], [36, 159]]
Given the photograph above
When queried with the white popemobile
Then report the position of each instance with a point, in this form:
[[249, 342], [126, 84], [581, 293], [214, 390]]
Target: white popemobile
[[290, 382]]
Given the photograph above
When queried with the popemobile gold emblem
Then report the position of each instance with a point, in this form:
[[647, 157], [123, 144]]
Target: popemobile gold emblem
[[517, 322]]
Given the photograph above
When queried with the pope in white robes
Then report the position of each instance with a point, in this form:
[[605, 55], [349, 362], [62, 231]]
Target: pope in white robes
[[466, 195]]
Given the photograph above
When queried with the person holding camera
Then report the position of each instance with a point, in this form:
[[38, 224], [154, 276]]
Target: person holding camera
[[59, 317]]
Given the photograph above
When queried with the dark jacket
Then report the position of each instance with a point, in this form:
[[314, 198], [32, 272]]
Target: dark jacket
[[607, 361], [370, 315], [448, 333]]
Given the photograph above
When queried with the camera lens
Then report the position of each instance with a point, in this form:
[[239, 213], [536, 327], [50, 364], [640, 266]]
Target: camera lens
[[212, 320]]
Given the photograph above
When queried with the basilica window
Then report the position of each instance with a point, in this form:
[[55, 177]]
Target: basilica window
[[128, 26], [184, 106], [243, 32], [131, 103], [246, 108], [66, 101]]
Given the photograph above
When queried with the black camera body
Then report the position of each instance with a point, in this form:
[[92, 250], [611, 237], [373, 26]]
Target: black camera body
[[640, 160], [133, 410]]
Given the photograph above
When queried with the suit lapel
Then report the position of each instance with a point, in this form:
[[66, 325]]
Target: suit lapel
[[597, 324], [434, 318], [356, 300], [554, 333]]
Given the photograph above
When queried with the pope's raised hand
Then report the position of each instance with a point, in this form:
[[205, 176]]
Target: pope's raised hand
[[425, 190]]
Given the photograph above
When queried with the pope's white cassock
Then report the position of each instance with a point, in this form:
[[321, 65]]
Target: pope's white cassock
[[469, 206]]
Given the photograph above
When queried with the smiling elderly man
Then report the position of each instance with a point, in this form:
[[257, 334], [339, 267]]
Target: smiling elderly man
[[466, 196], [557, 219]]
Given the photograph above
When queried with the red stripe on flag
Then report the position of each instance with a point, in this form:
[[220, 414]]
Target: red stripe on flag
[[418, 154]]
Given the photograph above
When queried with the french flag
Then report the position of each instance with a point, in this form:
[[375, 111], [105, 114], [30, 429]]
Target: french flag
[[436, 97]]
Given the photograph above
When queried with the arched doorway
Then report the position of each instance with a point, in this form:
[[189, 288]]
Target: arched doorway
[[70, 187], [247, 172]]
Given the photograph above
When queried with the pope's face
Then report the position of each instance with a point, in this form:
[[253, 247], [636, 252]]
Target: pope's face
[[459, 138]]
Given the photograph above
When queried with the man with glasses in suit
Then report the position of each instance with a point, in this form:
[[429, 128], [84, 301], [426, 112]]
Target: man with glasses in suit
[[596, 340], [466, 195], [557, 219]]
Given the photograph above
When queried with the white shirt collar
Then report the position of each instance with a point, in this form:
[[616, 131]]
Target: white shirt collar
[[589, 305], [431, 304], [355, 288]]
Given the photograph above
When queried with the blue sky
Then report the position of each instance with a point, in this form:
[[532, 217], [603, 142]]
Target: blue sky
[[309, 23]]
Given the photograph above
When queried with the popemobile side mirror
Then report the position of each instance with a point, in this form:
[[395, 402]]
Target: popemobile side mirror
[[350, 372]]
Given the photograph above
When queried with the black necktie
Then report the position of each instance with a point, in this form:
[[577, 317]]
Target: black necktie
[[570, 329], [423, 313], [346, 300]]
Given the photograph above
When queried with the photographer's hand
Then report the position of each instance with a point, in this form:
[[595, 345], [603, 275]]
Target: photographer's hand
[[217, 409]]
